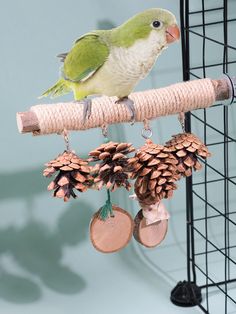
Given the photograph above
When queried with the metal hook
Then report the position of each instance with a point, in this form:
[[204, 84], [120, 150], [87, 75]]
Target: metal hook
[[181, 118], [105, 132], [65, 135]]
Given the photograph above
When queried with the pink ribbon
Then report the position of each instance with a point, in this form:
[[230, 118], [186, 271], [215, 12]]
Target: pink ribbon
[[155, 212]]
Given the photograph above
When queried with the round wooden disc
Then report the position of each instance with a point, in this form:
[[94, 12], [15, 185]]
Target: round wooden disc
[[112, 234], [149, 235]]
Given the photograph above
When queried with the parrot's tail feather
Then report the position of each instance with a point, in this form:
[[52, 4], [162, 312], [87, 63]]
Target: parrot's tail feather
[[62, 56], [59, 89]]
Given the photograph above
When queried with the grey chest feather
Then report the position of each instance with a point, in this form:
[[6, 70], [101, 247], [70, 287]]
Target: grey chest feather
[[135, 62]]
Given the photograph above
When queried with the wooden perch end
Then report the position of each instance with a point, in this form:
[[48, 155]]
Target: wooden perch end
[[222, 89], [180, 97], [27, 122]]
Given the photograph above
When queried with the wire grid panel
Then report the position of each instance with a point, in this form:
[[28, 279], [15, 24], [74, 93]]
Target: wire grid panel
[[209, 50]]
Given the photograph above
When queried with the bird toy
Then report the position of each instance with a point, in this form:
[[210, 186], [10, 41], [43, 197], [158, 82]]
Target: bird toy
[[111, 63]]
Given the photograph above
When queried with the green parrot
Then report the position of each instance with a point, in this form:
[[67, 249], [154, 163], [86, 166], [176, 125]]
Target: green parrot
[[111, 62]]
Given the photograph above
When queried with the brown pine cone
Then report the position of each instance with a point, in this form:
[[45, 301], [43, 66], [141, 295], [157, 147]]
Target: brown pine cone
[[155, 169], [112, 171], [186, 147], [74, 173]]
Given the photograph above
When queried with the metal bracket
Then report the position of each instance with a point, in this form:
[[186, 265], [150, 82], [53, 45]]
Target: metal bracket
[[232, 87]]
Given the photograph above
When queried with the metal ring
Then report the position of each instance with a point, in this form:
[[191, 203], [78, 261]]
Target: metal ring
[[147, 133]]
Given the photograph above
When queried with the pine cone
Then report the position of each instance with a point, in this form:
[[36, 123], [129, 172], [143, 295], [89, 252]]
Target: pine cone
[[186, 147], [155, 169], [74, 173], [112, 171]]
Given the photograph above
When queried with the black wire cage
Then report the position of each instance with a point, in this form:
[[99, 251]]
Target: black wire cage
[[209, 50]]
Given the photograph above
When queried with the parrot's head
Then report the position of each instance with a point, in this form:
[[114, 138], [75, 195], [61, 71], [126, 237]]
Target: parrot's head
[[157, 20]]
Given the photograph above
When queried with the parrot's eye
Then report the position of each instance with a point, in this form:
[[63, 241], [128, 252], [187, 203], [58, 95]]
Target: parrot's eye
[[156, 24]]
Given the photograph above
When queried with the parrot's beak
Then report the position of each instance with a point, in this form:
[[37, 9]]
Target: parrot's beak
[[172, 33]]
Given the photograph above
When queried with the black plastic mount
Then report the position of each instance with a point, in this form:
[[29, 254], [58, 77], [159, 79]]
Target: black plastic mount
[[186, 294]]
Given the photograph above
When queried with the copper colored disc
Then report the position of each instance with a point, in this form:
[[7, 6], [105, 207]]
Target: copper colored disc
[[149, 235], [112, 234]]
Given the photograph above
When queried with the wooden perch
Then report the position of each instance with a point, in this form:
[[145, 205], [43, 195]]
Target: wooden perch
[[180, 97]]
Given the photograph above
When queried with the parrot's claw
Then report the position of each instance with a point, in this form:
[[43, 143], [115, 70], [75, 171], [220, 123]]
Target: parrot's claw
[[130, 104], [87, 103]]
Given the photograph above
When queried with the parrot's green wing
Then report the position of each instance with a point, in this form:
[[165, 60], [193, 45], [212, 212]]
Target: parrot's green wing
[[87, 55]]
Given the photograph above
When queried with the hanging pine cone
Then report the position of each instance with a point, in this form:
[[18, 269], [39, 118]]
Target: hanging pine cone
[[155, 169], [112, 171], [74, 173], [186, 147]]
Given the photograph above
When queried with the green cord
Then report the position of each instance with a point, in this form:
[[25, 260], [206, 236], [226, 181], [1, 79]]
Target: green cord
[[106, 209]]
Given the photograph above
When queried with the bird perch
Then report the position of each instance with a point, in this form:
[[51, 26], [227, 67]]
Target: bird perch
[[150, 104]]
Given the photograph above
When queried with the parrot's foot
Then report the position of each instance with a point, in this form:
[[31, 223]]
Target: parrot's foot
[[87, 103], [130, 104]]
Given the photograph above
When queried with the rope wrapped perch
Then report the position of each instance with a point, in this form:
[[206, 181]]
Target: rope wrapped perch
[[150, 104]]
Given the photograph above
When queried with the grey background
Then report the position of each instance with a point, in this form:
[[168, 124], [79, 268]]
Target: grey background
[[47, 263]]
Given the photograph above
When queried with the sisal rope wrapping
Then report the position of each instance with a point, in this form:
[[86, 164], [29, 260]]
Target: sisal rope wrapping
[[180, 97]]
